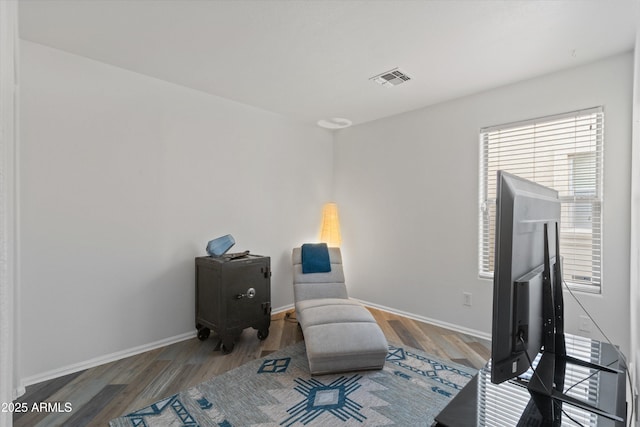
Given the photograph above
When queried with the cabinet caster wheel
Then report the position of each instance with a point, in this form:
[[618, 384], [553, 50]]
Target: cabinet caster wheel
[[263, 334], [203, 333], [225, 349]]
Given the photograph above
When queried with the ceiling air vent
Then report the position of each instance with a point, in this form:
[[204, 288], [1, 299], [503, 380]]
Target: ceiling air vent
[[391, 78]]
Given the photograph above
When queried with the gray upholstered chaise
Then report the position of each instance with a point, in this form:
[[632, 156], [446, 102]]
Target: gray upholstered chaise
[[340, 334]]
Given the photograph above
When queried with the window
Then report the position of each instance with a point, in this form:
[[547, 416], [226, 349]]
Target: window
[[563, 152]]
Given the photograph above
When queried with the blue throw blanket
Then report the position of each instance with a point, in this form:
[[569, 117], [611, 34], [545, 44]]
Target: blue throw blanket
[[315, 258]]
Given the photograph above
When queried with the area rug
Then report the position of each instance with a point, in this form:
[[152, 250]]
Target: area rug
[[278, 390]]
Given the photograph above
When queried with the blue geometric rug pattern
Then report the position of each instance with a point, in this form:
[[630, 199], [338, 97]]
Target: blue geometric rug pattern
[[320, 398], [277, 391], [427, 366]]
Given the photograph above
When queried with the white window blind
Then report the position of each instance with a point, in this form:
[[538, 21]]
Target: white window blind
[[563, 152]]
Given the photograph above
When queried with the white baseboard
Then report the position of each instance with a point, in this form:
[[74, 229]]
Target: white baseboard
[[453, 327], [18, 392], [97, 361], [283, 308], [101, 360]]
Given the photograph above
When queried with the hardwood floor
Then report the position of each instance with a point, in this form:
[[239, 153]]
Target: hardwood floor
[[100, 394]]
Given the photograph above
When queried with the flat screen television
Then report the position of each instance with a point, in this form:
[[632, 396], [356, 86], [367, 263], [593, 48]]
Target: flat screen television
[[524, 208], [528, 306]]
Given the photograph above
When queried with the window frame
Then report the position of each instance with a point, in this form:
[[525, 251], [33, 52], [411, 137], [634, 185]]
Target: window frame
[[486, 218]]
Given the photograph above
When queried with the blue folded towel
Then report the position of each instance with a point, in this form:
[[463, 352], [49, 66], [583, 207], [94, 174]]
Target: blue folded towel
[[315, 258]]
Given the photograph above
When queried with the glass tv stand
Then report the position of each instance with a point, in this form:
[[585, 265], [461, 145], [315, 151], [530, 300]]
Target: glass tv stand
[[482, 403]]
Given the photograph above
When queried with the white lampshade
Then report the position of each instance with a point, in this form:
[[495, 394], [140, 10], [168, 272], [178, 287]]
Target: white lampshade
[[330, 232]]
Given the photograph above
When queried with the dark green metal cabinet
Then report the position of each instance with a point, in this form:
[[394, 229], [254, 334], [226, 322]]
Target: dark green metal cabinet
[[232, 295]]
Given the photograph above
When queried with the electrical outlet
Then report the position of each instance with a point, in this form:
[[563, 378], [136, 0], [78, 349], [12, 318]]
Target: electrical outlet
[[585, 324], [466, 299]]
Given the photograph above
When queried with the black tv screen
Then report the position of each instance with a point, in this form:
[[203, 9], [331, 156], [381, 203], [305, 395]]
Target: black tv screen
[[523, 209]]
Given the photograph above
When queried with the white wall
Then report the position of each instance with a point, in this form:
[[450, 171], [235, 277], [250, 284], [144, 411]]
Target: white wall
[[9, 294], [407, 187], [635, 223], [124, 179]]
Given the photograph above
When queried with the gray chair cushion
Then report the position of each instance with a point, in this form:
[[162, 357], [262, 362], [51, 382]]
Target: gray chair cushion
[[313, 291], [303, 305], [340, 334], [341, 313], [329, 285], [340, 347]]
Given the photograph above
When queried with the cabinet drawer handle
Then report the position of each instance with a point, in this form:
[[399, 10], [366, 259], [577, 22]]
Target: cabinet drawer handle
[[250, 294]]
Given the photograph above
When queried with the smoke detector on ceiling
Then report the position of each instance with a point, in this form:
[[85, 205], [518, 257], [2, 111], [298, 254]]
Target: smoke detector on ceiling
[[391, 78]]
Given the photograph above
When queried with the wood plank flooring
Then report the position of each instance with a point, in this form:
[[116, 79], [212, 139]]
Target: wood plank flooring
[[100, 394]]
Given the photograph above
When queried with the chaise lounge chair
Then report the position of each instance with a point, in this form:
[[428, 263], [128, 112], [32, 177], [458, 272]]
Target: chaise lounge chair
[[340, 334]]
